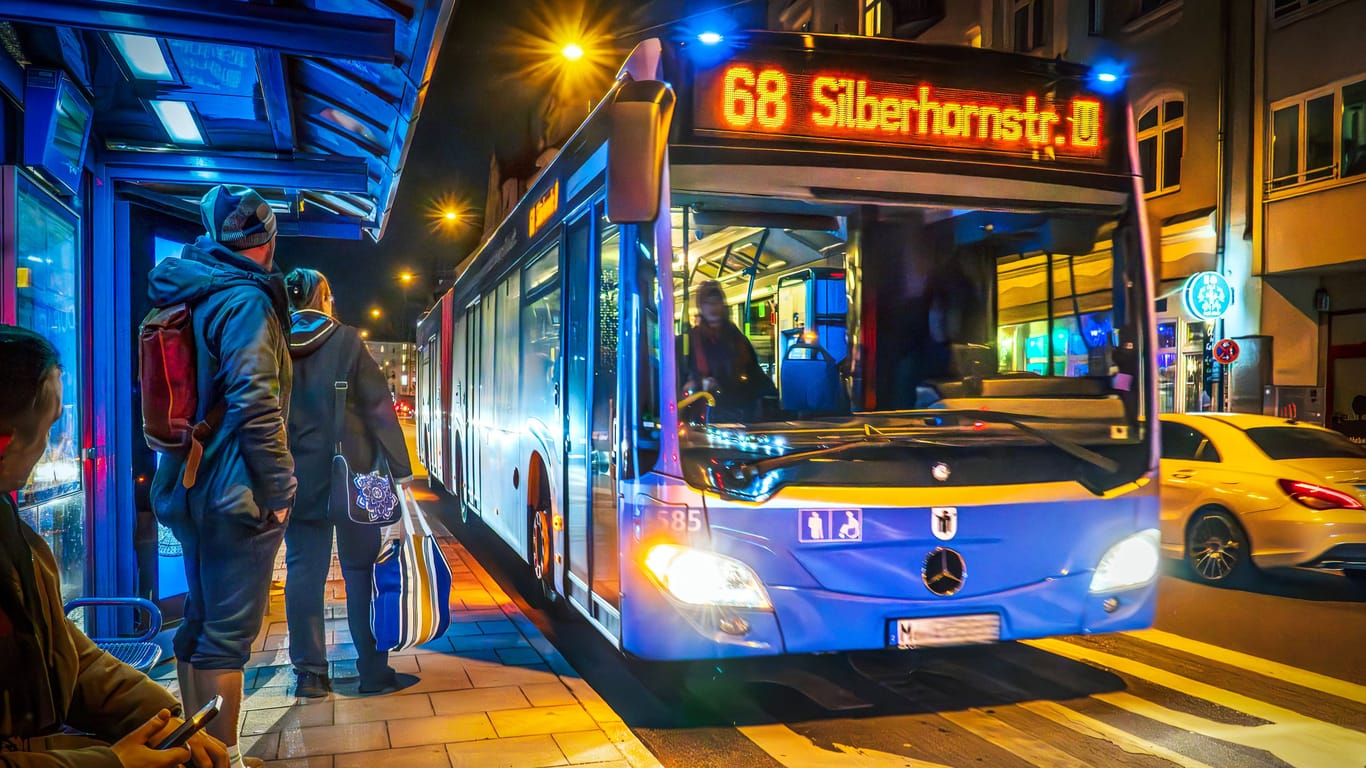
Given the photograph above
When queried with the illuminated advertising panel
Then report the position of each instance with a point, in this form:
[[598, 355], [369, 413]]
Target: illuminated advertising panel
[[777, 101]]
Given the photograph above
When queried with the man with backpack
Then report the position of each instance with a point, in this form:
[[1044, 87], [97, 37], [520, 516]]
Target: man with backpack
[[217, 339]]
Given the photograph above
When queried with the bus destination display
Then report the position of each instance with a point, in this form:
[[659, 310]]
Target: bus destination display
[[771, 100]]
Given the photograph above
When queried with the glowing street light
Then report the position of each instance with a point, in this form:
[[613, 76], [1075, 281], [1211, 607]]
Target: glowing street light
[[364, 334], [450, 215], [375, 312], [406, 277], [573, 52]]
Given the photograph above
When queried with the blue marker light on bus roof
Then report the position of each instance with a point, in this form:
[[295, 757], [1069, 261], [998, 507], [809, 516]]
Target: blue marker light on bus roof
[[1107, 76], [710, 38]]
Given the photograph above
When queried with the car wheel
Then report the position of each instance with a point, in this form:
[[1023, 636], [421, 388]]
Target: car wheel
[[1216, 547]]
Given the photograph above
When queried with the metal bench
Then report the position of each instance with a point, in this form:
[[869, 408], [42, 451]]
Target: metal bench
[[138, 652]]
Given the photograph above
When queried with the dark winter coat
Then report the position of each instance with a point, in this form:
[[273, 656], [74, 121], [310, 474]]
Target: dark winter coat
[[325, 352], [53, 674], [240, 312]]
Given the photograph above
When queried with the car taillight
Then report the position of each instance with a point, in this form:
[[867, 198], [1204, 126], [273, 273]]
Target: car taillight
[[1318, 497]]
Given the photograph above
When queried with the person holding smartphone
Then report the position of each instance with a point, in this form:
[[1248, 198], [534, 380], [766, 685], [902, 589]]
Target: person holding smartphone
[[54, 677]]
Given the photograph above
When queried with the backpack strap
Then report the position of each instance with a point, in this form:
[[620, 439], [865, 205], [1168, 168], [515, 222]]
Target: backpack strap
[[198, 437], [339, 418]]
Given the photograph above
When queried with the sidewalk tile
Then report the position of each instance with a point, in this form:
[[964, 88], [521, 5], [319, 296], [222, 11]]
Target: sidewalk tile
[[482, 614], [489, 677], [433, 756], [479, 642], [459, 628], [587, 747], [524, 722], [494, 627], [520, 752], [519, 656], [269, 698], [318, 761], [440, 729], [287, 718], [333, 739], [265, 677], [370, 709], [548, 694], [265, 746], [478, 700]]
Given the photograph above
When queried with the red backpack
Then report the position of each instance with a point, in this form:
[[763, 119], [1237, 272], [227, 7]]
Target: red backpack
[[170, 387]]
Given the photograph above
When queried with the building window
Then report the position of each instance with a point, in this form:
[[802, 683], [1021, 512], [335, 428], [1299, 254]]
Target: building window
[[1310, 143], [1283, 8], [1161, 142], [874, 17], [1032, 21]]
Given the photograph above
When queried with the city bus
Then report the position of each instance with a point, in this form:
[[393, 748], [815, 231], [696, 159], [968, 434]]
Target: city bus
[[943, 434]]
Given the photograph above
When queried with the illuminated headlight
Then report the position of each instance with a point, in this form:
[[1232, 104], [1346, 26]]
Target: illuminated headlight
[[698, 577], [1130, 563]]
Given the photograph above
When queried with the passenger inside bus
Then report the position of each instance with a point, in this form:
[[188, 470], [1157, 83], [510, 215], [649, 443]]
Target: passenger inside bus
[[722, 361]]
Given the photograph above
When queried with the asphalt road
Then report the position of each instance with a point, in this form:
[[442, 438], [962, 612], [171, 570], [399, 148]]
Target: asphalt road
[[1273, 674]]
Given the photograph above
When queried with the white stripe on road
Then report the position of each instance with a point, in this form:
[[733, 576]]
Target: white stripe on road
[[1098, 729], [1013, 740], [1265, 667], [791, 748], [1301, 741]]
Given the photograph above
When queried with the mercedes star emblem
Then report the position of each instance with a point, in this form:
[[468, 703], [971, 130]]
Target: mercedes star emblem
[[944, 571]]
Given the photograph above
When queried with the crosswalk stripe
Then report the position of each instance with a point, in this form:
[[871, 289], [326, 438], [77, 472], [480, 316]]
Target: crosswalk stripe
[[1012, 739], [791, 748], [1097, 729], [1265, 667], [1297, 739]]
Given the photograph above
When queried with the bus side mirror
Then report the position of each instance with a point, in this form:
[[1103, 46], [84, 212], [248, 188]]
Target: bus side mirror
[[641, 113]]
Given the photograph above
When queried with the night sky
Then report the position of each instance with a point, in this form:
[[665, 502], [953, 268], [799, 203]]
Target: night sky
[[482, 99]]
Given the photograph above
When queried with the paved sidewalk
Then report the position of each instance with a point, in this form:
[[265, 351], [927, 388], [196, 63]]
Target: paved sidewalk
[[492, 692]]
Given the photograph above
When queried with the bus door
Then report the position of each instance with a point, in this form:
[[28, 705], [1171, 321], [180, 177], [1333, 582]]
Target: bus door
[[473, 391], [592, 254]]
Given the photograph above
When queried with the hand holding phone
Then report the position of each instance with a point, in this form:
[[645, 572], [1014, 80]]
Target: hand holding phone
[[194, 724]]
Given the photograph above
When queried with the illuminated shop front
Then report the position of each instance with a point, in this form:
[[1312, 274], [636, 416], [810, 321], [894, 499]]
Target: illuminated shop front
[[112, 126]]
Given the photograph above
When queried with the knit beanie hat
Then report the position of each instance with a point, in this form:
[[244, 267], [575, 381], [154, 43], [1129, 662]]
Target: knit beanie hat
[[237, 217]]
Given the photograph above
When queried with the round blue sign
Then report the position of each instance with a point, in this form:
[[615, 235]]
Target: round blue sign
[[1207, 295]]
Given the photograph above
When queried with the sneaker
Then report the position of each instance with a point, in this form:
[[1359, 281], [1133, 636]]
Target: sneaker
[[311, 685]]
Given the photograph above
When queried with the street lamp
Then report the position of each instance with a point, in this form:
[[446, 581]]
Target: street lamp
[[364, 334], [374, 312], [573, 52]]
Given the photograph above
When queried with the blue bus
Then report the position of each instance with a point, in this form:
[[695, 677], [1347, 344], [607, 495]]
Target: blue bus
[[936, 274]]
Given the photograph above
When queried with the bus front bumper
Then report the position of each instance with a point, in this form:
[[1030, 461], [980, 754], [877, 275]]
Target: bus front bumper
[[813, 620]]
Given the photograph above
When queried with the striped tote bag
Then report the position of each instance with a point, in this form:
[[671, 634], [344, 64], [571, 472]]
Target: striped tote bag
[[410, 604]]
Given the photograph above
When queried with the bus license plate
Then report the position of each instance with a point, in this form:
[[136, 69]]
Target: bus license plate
[[945, 630]]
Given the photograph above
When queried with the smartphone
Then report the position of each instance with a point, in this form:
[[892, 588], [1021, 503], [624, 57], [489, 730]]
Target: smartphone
[[193, 725]]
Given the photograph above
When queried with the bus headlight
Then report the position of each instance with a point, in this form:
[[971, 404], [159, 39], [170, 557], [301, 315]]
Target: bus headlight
[[699, 577], [1130, 563]]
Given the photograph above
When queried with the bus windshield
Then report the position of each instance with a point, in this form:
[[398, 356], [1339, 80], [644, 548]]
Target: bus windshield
[[860, 336]]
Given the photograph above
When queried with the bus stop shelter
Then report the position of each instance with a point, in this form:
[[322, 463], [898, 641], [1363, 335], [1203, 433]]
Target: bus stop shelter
[[117, 116]]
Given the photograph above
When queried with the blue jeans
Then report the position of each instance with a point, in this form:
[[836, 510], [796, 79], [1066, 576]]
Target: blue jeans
[[228, 566], [308, 555]]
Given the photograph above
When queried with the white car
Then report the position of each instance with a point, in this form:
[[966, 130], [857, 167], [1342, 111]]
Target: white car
[[1243, 490]]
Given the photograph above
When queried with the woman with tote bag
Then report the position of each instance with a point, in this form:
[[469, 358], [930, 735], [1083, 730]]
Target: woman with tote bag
[[340, 398]]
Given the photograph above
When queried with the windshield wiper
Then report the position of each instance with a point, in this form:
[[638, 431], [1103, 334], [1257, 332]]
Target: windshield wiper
[[1069, 447], [749, 470]]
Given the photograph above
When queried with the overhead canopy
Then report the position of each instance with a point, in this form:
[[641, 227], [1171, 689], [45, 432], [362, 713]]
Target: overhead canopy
[[312, 102]]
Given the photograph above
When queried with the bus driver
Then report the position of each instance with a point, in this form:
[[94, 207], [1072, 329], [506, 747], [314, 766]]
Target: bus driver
[[723, 362]]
